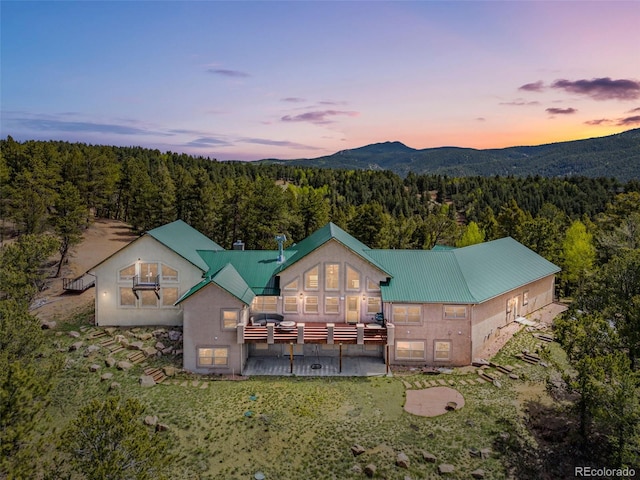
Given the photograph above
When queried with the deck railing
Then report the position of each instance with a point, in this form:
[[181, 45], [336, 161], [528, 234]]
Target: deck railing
[[310, 333]]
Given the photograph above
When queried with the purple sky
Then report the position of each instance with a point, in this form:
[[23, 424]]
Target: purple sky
[[251, 80]]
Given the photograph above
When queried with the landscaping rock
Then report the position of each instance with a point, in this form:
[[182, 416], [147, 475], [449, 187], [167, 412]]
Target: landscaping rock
[[149, 351], [177, 352], [94, 368], [445, 468], [151, 420], [124, 365], [145, 336], [162, 427], [146, 381], [169, 371], [110, 362], [159, 332], [357, 469], [136, 346], [479, 473], [358, 450], [91, 349], [74, 334], [160, 346], [75, 346], [485, 453], [174, 335], [48, 325], [106, 376], [111, 330], [474, 452], [402, 460], [167, 350], [429, 457], [370, 470], [114, 386]]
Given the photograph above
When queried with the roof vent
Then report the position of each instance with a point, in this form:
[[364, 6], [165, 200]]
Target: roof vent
[[238, 245], [281, 239]]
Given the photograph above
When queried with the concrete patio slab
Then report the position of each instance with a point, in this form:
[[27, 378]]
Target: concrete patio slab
[[316, 366]]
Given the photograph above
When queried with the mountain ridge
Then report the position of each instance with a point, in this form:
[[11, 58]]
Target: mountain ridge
[[616, 155]]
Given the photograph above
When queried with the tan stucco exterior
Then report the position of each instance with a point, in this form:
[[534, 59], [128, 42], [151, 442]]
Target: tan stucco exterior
[[110, 288]]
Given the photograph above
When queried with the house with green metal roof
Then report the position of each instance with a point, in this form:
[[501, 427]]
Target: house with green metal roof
[[331, 295]]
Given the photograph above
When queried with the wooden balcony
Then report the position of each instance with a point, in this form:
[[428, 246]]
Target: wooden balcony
[[151, 283], [315, 333]]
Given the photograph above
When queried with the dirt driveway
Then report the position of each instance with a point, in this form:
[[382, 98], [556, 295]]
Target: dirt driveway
[[101, 239]]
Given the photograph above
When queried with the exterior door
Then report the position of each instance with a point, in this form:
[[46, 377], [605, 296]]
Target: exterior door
[[353, 309], [512, 309]]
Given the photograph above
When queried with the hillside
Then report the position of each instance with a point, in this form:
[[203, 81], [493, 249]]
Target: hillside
[[612, 156]]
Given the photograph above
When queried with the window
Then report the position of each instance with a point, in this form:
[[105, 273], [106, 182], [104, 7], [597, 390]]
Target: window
[[332, 276], [331, 305], [406, 314], [311, 304], [406, 350], [455, 311], [441, 351], [169, 274], [213, 356], [169, 296], [127, 298], [292, 285], [353, 279], [290, 304], [127, 273], [229, 319], [148, 272], [372, 286], [525, 298], [311, 279], [265, 304], [148, 298], [374, 305]]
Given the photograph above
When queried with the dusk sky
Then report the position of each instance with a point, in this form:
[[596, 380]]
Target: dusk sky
[[251, 80]]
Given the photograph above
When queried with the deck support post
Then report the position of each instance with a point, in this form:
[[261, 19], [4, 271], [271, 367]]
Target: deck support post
[[291, 357], [360, 330], [330, 330], [270, 331], [300, 333], [387, 358], [340, 362]]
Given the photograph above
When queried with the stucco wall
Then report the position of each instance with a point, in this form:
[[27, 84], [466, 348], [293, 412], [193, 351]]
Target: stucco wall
[[203, 328], [492, 315], [107, 291], [330, 252]]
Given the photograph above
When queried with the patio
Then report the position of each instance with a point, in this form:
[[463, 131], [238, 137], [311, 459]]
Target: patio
[[308, 366]]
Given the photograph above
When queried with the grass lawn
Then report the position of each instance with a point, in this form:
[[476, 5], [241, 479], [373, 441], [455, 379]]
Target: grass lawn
[[301, 427]]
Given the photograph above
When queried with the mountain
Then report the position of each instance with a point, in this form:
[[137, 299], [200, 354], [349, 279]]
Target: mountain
[[611, 156]]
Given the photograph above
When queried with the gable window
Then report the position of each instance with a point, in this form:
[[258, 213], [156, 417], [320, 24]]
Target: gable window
[[292, 286], [230, 319], [169, 274], [169, 296], [311, 304], [453, 312], [372, 286], [127, 273], [331, 305], [311, 279], [406, 314], [148, 272], [127, 298], [353, 278], [441, 351], [374, 305], [265, 304], [213, 356], [290, 304], [148, 299], [406, 350], [331, 276]]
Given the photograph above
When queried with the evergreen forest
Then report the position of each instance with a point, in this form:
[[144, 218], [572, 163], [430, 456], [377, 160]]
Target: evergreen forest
[[51, 190]]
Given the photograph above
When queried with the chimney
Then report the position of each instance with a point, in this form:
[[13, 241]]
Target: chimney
[[281, 239], [238, 245]]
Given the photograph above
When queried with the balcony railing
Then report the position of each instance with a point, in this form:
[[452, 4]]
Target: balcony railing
[[318, 333], [146, 283]]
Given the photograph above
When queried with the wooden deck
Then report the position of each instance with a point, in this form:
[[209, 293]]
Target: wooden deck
[[317, 333]]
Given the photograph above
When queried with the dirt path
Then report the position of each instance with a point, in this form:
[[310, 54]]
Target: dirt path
[[101, 239]]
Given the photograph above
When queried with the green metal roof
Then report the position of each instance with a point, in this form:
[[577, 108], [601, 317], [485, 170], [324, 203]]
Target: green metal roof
[[229, 280], [329, 232], [185, 241], [471, 274], [257, 267]]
